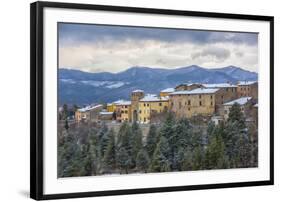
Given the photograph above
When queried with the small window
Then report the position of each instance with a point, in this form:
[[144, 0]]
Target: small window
[[144, 119], [211, 103], [147, 105], [225, 111], [126, 106], [188, 108], [211, 97], [200, 103], [199, 96], [144, 104], [160, 103], [140, 111], [189, 102]]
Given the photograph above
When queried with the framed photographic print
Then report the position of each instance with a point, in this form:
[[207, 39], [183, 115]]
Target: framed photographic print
[[131, 100]]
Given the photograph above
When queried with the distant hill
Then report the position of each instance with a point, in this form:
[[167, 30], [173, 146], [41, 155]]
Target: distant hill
[[78, 87]]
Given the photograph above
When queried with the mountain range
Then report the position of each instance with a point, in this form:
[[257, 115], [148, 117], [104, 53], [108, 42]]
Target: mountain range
[[78, 87]]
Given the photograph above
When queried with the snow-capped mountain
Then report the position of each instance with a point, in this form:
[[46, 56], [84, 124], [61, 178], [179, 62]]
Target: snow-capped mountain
[[78, 87]]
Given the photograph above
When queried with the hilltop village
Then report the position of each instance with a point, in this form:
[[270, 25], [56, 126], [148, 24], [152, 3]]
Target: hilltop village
[[212, 101]]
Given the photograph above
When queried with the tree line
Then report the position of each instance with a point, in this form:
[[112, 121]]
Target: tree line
[[175, 145]]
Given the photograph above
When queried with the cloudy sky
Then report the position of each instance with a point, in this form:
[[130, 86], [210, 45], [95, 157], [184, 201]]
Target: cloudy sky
[[97, 48]]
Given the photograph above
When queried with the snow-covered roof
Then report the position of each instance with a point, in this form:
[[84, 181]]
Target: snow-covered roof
[[153, 98], [106, 113], [245, 83], [240, 101], [138, 91], [219, 85], [168, 90], [196, 91], [189, 84], [88, 108], [122, 102]]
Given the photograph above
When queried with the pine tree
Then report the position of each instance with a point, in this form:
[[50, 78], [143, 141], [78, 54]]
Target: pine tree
[[124, 147], [142, 161], [123, 160], [187, 160], [66, 126], [237, 138], [198, 159], [136, 141], [151, 140], [110, 153], [215, 157], [103, 139], [160, 161]]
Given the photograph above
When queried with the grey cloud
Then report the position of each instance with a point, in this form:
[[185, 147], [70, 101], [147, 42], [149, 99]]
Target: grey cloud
[[218, 53]]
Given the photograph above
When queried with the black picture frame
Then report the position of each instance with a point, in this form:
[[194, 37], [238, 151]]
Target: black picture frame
[[36, 99]]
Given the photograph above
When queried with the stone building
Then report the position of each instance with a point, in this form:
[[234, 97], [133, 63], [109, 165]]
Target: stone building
[[136, 95], [89, 113], [248, 88], [123, 111], [150, 105], [200, 101]]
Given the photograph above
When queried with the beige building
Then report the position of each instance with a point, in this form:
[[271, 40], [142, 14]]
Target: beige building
[[248, 88], [136, 95], [200, 101], [89, 113], [123, 111], [228, 91], [151, 105]]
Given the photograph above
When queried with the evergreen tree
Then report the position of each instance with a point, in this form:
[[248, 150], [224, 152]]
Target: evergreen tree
[[187, 160], [136, 141], [215, 157], [237, 138], [179, 141], [160, 161], [124, 147], [198, 159], [151, 140], [109, 157], [142, 161], [64, 111], [103, 139], [66, 126], [123, 160]]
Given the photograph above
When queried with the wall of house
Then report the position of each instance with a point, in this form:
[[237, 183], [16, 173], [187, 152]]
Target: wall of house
[[146, 109], [189, 105]]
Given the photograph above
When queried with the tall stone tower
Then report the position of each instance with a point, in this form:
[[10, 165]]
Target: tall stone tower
[[135, 98]]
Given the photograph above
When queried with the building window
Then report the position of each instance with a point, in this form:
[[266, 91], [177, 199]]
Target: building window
[[199, 96], [226, 89], [188, 102], [180, 105], [200, 103], [211, 103], [160, 103], [144, 105], [225, 111], [147, 105], [144, 119], [126, 106], [140, 111], [211, 97], [188, 108]]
